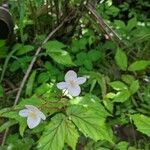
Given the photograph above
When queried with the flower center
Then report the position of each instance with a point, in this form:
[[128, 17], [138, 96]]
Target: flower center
[[32, 115], [72, 83]]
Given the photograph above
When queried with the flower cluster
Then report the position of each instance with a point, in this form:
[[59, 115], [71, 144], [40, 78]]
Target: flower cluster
[[71, 84]]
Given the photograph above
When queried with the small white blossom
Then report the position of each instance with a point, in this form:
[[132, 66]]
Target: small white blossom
[[33, 114], [72, 83]]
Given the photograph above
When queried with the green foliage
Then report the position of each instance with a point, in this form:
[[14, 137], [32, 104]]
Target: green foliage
[[142, 123], [114, 101], [139, 65], [55, 50], [121, 59]]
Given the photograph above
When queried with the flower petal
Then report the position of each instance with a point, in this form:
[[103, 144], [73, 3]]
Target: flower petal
[[33, 122], [43, 117], [81, 80], [61, 85], [31, 107], [70, 75], [24, 112], [74, 91]]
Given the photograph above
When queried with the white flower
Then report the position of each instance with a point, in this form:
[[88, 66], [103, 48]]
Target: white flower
[[33, 114], [72, 83]]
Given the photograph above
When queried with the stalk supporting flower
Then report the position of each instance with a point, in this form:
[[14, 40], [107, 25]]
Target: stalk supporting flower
[[33, 114], [72, 83]]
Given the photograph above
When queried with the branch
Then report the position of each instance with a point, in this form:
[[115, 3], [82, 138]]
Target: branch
[[104, 26]]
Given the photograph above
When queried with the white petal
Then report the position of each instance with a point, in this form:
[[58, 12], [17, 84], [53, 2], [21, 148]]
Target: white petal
[[24, 112], [70, 75], [81, 80], [61, 85], [31, 107], [43, 117], [33, 122], [74, 91]]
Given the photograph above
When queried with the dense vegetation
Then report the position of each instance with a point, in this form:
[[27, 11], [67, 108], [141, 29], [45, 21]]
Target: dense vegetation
[[75, 75]]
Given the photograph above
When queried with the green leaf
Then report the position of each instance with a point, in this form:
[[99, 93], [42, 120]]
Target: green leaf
[[1, 91], [127, 78], [139, 65], [15, 115], [24, 49], [89, 123], [118, 85], [122, 96], [55, 50], [62, 58], [43, 77], [122, 145], [121, 59], [142, 123], [30, 83], [58, 131], [91, 102], [94, 55], [132, 23], [134, 87], [7, 125]]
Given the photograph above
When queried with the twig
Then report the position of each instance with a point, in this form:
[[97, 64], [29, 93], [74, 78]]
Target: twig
[[104, 26]]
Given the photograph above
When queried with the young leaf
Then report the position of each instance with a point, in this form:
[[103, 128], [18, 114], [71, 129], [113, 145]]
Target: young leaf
[[30, 83], [58, 131], [118, 85], [122, 96], [139, 65], [89, 123], [121, 59], [142, 123], [134, 87]]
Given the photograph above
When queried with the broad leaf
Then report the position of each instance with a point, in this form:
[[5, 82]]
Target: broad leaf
[[91, 102], [142, 123], [121, 59], [89, 123], [55, 50], [134, 87], [139, 65], [118, 85], [122, 96], [58, 131]]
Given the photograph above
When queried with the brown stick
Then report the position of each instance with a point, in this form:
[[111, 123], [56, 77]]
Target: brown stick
[[104, 26]]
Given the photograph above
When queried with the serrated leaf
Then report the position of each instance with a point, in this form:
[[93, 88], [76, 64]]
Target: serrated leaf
[[91, 102], [58, 131], [139, 65], [121, 59], [89, 123], [55, 50], [122, 96], [118, 85], [142, 123], [30, 83], [134, 87]]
